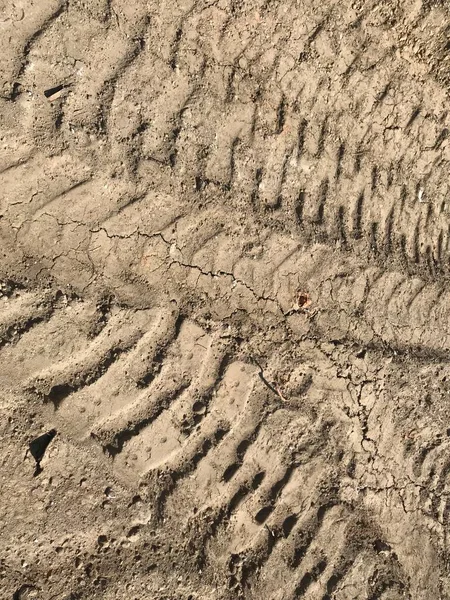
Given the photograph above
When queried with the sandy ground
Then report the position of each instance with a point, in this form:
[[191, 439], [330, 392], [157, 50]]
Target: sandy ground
[[224, 300]]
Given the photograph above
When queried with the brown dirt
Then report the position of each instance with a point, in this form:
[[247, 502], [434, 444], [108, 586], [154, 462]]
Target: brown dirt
[[224, 322]]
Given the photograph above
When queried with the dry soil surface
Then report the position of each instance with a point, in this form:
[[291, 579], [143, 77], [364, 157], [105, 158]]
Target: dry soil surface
[[224, 300]]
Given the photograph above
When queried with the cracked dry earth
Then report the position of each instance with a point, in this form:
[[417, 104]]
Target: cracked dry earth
[[225, 298]]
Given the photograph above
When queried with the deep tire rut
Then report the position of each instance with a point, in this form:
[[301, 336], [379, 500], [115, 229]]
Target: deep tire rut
[[225, 294]]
